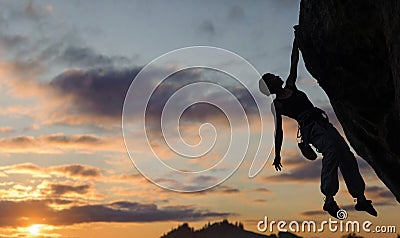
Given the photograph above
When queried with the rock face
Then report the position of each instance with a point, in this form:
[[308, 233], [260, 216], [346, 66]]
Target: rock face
[[353, 49]]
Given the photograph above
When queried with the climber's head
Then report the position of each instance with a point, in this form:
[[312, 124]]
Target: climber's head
[[273, 82]]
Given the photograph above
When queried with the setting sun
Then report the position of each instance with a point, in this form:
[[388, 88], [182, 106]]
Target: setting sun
[[35, 229], [183, 119]]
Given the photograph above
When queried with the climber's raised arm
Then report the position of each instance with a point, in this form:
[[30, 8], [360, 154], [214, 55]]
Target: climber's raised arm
[[294, 61]]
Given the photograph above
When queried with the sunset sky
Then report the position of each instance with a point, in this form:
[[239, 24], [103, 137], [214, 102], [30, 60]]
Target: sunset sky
[[65, 68]]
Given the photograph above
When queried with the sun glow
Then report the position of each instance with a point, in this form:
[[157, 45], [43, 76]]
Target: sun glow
[[35, 229]]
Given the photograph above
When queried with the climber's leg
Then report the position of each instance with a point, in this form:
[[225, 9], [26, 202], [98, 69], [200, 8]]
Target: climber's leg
[[337, 154], [319, 137], [347, 164]]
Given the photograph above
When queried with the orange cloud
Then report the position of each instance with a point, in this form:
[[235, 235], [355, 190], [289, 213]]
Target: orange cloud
[[60, 143], [6, 129], [73, 171], [68, 190]]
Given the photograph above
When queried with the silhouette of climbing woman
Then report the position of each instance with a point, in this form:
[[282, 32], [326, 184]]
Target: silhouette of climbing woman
[[315, 129]]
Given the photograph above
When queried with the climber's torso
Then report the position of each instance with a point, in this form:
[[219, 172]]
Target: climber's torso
[[292, 103]]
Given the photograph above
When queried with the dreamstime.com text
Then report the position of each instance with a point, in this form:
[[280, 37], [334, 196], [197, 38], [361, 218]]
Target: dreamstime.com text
[[331, 225]]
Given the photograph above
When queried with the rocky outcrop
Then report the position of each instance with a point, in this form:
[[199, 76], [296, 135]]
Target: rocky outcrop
[[353, 49]]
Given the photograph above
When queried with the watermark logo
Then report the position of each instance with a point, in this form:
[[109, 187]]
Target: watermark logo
[[330, 225], [154, 124], [341, 214]]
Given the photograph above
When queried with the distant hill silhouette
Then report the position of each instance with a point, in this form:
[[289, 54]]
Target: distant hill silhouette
[[222, 229]]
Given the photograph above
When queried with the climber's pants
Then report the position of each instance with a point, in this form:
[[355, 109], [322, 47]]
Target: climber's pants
[[336, 154]]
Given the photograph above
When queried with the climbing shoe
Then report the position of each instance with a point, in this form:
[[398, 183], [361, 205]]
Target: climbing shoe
[[366, 206], [332, 208]]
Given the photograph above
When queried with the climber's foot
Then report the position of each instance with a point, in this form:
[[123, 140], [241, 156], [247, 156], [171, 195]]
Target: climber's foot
[[332, 208], [366, 206]]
